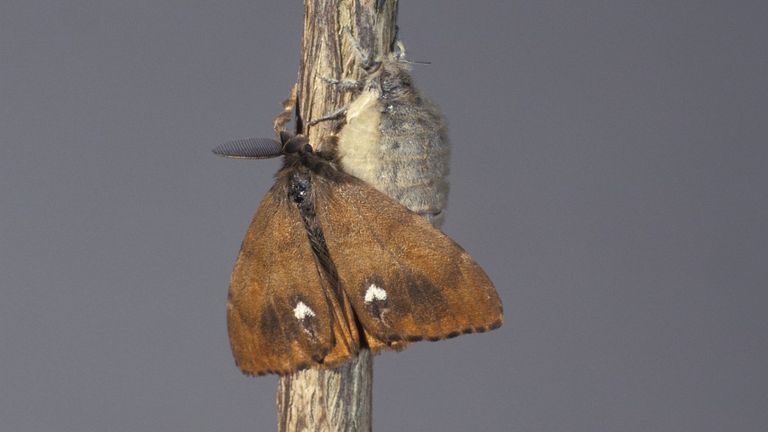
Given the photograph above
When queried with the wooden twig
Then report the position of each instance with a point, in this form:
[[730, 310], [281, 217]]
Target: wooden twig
[[327, 399], [333, 399]]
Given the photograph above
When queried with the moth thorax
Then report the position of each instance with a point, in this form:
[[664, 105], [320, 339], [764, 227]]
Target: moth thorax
[[298, 188]]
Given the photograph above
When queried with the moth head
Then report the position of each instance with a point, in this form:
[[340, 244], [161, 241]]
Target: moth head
[[295, 144], [395, 78]]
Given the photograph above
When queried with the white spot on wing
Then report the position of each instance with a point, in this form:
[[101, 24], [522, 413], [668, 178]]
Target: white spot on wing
[[302, 311], [374, 293]]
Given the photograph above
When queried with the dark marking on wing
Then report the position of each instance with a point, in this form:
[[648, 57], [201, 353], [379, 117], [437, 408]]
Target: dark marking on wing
[[270, 324], [427, 301]]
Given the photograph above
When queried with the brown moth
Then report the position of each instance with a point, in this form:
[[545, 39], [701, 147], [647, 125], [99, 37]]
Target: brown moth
[[330, 265]]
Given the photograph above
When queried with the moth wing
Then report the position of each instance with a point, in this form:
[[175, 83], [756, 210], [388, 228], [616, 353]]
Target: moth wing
[[406, 280], [278, 318]]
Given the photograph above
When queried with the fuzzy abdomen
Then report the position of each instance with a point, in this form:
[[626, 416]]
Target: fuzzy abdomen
[[399, 146]]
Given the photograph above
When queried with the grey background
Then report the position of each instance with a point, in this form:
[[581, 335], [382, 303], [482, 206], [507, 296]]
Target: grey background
[[609, 172]]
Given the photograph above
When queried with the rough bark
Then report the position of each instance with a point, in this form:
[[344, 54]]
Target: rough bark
[[333, 399], [327, 399]]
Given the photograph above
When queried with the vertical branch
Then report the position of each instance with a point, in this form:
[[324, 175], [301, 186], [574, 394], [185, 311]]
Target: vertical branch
[[328, 52], [327, 399], [333, 399]]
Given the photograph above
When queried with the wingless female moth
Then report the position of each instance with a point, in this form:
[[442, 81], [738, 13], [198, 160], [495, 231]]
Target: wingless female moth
[[330, 265], [394, 138]]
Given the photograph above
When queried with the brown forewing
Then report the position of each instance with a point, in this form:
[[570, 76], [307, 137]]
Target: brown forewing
[[406, 280], [279, 316]]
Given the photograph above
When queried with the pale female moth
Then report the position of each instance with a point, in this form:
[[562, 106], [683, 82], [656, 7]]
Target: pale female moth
[[394, 138]]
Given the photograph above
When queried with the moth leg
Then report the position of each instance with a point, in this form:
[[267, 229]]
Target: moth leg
[[285, 116], [363, 56], [340, 113], [345, 84], [367, 65]]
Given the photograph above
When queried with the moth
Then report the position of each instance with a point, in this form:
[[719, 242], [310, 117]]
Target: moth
[[330, 265], [393, 137]]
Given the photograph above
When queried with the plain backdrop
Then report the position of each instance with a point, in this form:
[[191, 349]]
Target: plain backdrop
[[609, 171]]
